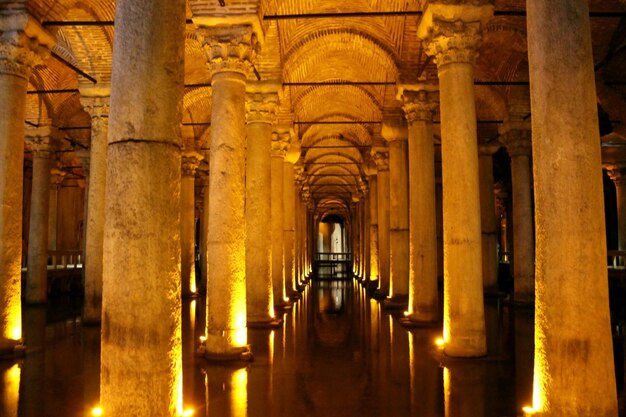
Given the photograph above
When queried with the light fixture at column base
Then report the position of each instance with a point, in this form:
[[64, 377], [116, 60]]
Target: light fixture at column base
[[12, 349], [269, 323]]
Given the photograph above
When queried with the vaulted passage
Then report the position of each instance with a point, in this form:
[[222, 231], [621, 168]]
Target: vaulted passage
[[299, 197]]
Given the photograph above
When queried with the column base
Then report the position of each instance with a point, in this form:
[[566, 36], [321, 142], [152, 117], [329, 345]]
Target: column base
[[12, 349], [294, 296], [521, 303], [493, 292], [267, 323], [466, 348], [380, 294], [284, 305], [412, 320], [234, 353], [190, 295], [397, 302], [91, 322]]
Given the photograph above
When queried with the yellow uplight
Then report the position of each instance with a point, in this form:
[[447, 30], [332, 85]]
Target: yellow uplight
[[240, 337], [96, 411], [440, 342], [528, 410], [188, 412], [203, 339]]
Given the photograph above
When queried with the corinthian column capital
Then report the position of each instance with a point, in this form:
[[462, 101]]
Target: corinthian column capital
[[229, 48], [262, 101], [517, 138], [380, 156], [24, 43], [419, 101], [95, 101], [280, 144], [617, 173], [451, 30], [190, 161]]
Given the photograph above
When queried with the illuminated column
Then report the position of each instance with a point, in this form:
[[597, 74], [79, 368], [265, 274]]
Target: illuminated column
[[280, 144], [261, 104], [230, 51], [206, 199], [190, 161], [56, 179], [452, 34], [381, 158], [289, 218], [95, 101], [39, 140], [300, 179], [307, 231], [617, 173], [516, 136], [141, 306], [396, 135], [23, 45], [374, 268], [574, 373], [488, 222], [420, 104]]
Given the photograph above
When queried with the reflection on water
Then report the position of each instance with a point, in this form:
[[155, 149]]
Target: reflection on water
[[337, 354]]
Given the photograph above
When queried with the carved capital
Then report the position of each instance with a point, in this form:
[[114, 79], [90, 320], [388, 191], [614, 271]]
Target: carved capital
[[229, 48], [261, 107], [381, 158], [190, 161], [617, 173], [489, 148], [96, 105], [420, 103], [24, 44], [517, 138], [451, 29], [39, 140], [280, 144], [56, 177], [394, 130]]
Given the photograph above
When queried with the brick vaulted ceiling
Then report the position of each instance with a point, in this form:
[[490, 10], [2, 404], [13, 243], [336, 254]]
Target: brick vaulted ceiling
[[326, 64]]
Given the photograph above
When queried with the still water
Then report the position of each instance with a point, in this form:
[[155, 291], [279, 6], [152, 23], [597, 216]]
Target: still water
[[337, 354]]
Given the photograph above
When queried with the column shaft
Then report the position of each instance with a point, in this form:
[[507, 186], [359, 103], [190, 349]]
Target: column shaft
[[383, 230], [98, 108], [37, 276], [141, 307], [258, 223], [620, 193], [289, 218], [226, 286], [187, 235], [374, 266], [278, 239], [488, 221], [574, 373]]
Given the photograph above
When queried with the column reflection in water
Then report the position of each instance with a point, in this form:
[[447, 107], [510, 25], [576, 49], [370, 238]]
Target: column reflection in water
[[226, 391], [426, 378], [260, 378], [10, 389], [91, 366], [33, 402], [190, 340], [464, 389]]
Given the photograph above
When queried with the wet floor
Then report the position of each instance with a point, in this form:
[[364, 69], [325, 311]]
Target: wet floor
[[337, 354]]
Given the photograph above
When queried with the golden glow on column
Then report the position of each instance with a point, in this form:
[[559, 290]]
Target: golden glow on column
[[440, 342], [446, 314], [528, 410], [192, 284], [271, 347], [240, 393], [240, 332], [240, 337], [96, 411], [14, 318]]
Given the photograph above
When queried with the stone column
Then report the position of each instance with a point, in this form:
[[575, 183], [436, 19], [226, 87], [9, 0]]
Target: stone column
[[190, 161], [617, 173], [95, 101], [452, 34], [374, 266], [56, 179], [141, 306], [261, 104], [230, 51], [488, 222], [574, 373], [23, 45], [420, 103], [381, 158], [280, 144], [516, 136], [396, 135], [289, 219], [204, 230], [39, 141]]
